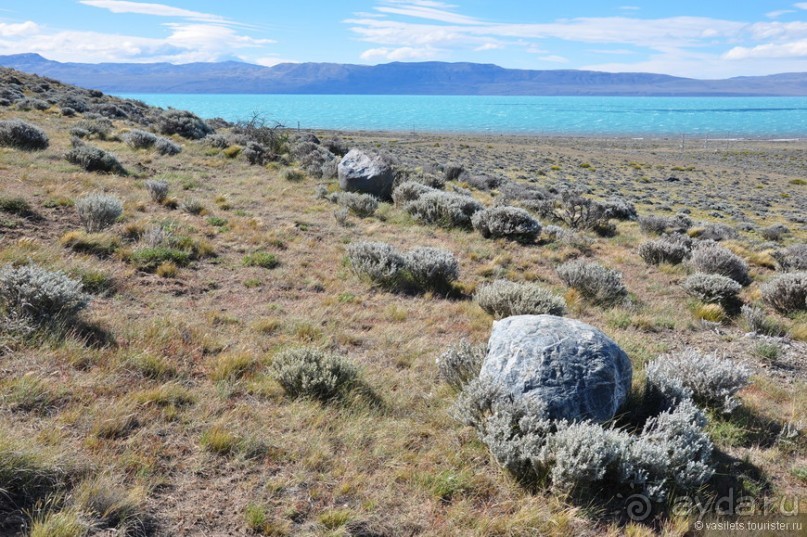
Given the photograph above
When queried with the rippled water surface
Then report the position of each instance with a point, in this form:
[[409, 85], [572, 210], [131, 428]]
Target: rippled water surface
[[730, 117]]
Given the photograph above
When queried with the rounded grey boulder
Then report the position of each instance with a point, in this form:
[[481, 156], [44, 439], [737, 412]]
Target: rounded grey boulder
[[360, 172], [576, 370]]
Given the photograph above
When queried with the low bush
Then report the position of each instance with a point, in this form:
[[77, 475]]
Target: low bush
[[92, 125], [460, 364], [431, 268], [93, 159], [758, 322], [16, 206], [164, 146], [409, 191], [149, 259], [21, 135], [504, 298], [261, 259], [792, 258], [256, 154], [508, 222], [787, 293], [672, 453], [444, 209], [658, 225], [595, 283], [663, 251], [580, 212], [421, 269], [378, 261], [158, 190], [717, 232], [98, 211], [183, 123], [36, 294], [706, 379], [138, 139], [309, 372], [362, 205], [712, 288], [712, 258]]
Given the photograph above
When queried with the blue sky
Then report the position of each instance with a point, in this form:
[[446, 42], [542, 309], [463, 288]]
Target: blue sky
[[703, 38]]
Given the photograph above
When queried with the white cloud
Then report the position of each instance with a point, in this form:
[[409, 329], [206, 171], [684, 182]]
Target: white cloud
[[159, 10], [19, 29], [801, 5], [629, 8], [795, 49], [400, 54], [778, 13]]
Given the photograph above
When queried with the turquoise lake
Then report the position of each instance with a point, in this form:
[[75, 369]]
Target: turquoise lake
[[715, 117]]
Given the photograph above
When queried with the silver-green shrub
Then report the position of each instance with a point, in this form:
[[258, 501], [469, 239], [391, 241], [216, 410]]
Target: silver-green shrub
[[362, 205], [93, 159], [139, 139], [98, 211], [792, 258], [712, 288], [786, 292], [309, 372], [446, 209], [157, 189], [508, 222], [431, 268], [184, 123], [378, 261], [21, 135], [409, 191], [36, 294], [164, 146], [758, 322], [460, 363], [709, 380], [672, 452], [596, 283], [504, 298], [662, 250], [712, 258]]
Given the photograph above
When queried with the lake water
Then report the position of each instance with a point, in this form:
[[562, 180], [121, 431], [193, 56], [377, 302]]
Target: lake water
[[714, 117]]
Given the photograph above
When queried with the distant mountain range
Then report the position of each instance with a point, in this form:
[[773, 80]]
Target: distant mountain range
[[421, 78]]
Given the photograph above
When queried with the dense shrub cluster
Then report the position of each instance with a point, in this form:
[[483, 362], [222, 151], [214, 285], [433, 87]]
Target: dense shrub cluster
[[658, 225], [712, 288], [712, 258], [786, 292], [158, 190], [758, 322], [184, 123], [94, 159], [709, 380], [664, 250], [793, 257], [92, 125], [508, 222], [164, 146], [21, 135], [139, 139], [362, 205], [409, 191], [98, 211], [594, 282], [717, 232], [420, 269], [580, 212], [309, 372], [672, 452], [446, 209], [619, 208], [504, 298], [39, 295], [460, 364]]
